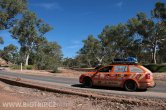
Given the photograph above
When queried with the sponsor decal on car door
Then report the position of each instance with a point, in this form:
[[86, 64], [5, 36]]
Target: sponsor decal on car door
[[117, 75], [103, 76]]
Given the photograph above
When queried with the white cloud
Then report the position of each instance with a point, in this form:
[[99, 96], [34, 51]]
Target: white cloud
[[75, 44], [119, 4], [49, 6]]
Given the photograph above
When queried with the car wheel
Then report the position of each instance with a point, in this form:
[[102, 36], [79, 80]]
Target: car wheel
[[130, 86], [87, 82]]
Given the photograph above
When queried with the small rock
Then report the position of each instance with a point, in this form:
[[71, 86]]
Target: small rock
[[43, 93]]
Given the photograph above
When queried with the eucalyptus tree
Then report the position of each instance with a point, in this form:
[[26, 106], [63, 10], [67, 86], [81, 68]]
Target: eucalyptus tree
[[159, 14], [154, 32], [159, 11], [112, 42], [29, 32], [9, 52], [150, 33], [137, 47], [116, 40], [106, 38], [92, 50], [48, 56], [9, 9]]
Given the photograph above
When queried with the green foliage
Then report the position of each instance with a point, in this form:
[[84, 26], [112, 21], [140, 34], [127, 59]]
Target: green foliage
[[18, 67], [70, 62], [156, 67], [92, 51], [9, 9], [162, 69], [29, 31], [1, 40], [9, 53], [55, 69], [48, 56], [29, 67], [159, 11]]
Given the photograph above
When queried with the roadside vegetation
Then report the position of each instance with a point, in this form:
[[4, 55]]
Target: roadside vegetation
[[35, 51], [156, 67], [142, 36]]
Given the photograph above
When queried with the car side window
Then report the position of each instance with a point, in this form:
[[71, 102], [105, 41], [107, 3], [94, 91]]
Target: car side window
[[120, 68], [135, 69], [106, 69]]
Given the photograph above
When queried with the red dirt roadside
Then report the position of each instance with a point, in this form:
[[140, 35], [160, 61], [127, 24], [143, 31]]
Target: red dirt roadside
[[63, 72], [15, 94]]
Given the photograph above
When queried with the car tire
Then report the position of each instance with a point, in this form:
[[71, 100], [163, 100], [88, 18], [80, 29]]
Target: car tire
[[130, 86], [87, 82]]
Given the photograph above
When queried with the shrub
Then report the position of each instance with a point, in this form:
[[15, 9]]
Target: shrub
[[55, 69], [18, 67], [156, 67], [162, 69], [29, 67]]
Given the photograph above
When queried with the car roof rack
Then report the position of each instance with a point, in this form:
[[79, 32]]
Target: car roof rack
[[129, 60], [125, 62]]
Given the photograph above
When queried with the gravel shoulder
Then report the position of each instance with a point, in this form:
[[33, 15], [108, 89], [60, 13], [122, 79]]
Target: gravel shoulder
[[60, 101]]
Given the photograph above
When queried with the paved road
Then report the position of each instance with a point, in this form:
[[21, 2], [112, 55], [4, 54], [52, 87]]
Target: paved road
[[161, 87]]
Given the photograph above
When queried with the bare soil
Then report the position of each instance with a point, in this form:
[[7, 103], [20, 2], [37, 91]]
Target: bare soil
[[10, 93], [62, 72]]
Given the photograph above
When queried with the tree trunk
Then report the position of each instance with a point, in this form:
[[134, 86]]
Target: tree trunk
[[27, 60], [89, 63], [154, 54], [100, 61]]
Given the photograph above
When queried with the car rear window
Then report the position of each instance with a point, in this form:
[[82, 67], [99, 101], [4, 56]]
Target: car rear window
[[135, 69], [147, 70]]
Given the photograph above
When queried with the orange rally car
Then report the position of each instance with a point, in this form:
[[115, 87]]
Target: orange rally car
[[128, 76]]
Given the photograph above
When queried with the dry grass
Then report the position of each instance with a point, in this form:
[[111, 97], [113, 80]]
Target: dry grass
[[159, 76]]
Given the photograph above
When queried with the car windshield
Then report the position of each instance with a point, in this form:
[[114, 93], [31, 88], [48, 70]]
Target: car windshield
[[106, 69]]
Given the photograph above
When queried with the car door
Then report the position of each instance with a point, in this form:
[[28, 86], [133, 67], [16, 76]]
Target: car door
[[102, 76], [117, 75], [136, 72]]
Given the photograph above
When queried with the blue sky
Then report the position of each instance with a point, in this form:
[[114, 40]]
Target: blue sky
[[74, 20]]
